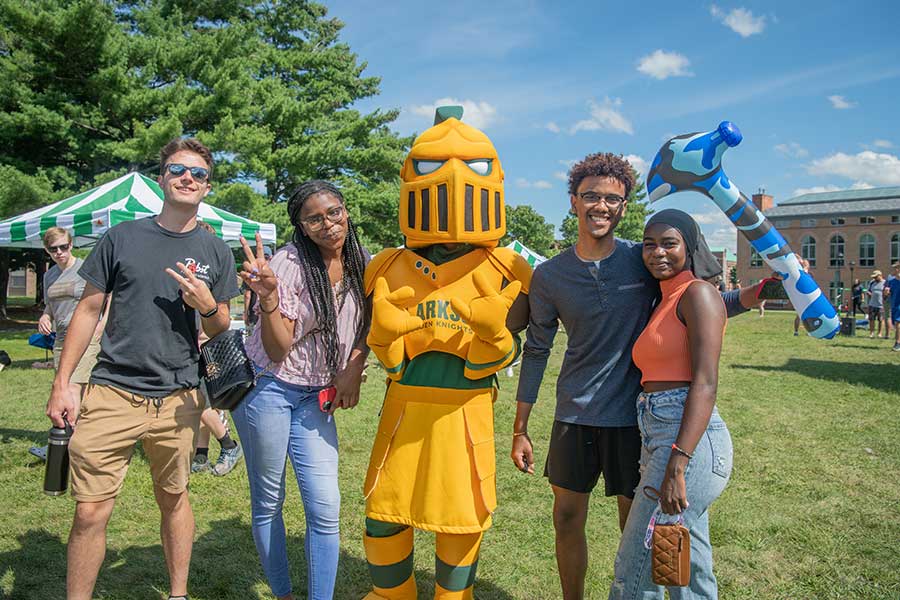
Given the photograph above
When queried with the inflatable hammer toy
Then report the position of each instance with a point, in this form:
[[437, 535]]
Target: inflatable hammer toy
[[693, 162]]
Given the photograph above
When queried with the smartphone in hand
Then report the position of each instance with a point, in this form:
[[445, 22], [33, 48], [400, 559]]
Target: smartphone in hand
[[771, 289], [326, 398]]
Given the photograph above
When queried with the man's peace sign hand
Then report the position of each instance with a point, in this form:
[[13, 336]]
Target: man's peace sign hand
[[194, 293]]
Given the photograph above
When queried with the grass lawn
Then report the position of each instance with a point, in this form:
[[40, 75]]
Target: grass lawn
[[811, 511]]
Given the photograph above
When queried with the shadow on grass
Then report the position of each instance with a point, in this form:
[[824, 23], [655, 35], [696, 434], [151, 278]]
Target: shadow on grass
[[880, 348], [880, 376], [224, 564], [37, 438]]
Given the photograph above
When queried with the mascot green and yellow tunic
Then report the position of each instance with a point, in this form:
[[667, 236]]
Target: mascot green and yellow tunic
[[445, 311]]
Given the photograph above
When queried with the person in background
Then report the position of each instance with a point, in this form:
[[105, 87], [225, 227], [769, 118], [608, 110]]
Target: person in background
[[886, 310], [856, 295], [313, 321], [686, 452], [892, 292], [62, 291], [214, 422], [875, 302]]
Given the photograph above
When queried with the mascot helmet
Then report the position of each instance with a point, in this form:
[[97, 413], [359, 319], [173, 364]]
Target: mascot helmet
[[452, 186]]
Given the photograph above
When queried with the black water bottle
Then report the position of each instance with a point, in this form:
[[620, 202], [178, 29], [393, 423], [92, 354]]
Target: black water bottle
[[56, 477]]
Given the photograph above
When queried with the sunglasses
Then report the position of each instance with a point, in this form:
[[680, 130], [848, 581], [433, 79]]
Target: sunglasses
[[177, 169], [59, 248]]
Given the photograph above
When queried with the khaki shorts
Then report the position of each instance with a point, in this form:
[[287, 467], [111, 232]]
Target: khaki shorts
[[112, 421], [82, 372]]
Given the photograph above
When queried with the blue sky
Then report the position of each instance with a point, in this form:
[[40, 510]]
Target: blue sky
[[813, 86]]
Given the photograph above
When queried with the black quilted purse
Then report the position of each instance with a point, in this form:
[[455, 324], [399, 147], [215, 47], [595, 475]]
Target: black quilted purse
[[227, 371]]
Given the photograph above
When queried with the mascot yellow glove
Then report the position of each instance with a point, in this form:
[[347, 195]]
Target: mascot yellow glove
[[390, 322], [493, 346]]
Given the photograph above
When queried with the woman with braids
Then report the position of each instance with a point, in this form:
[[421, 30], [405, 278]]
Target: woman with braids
[[310, 335]]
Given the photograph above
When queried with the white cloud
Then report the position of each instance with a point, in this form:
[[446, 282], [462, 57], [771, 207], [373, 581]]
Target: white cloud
[[882, 144], [816, 189], [840, 103], [477, 114], [792, 150], [868, 166], [640, 165], [661, 65], [739, 20], [540, 184], [717, 229], [605, 117], [552, 126], [561, 175]]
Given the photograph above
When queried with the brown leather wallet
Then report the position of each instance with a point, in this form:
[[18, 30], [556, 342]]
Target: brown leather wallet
[[671, 555], [670, 548]]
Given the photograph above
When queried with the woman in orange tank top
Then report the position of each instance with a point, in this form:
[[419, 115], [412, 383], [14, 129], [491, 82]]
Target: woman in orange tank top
[[686, 454]]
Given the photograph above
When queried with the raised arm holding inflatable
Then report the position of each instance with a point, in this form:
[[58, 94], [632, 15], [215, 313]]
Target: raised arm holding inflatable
[[693, 162]]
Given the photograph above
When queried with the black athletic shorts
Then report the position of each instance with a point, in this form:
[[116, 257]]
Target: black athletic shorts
[[578, 454]]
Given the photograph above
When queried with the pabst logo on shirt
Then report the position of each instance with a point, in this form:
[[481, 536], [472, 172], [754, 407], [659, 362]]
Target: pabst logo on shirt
[[199, 270]]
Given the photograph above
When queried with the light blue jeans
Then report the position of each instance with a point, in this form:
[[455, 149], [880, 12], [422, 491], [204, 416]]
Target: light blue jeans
[[659, 417], [275, 420]]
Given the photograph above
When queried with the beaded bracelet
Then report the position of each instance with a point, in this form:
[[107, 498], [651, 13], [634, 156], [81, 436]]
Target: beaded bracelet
[[676, 448]]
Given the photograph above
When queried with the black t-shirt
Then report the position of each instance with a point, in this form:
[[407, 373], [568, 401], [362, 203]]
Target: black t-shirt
[[149, 346]]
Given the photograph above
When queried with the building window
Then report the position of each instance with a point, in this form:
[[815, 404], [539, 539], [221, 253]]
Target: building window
[[808, 249], [867, 250], [837, 220], [867, 220], [895, 219], [836, 251], [808, 223], [755, 259], [895, 248]]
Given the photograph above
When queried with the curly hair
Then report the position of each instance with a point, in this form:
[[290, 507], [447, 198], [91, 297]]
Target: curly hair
[[316, 273], [602, 164]]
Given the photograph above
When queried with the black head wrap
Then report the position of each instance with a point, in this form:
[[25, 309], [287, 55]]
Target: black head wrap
[[700, 260]]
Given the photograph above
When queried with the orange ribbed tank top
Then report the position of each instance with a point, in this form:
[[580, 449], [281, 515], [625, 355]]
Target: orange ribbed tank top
[[661, 352]]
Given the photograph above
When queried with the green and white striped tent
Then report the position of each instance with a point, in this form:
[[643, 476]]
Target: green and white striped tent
[[89, 214], [533, 258]]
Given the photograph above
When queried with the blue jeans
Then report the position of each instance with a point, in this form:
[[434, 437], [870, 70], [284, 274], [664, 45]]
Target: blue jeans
[[659, 417], [278, 419]]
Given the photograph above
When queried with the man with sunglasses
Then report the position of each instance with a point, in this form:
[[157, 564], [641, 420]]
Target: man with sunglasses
[[160, 273], [603, 295]]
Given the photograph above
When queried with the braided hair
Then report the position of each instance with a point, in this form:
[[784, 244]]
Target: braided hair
[[316, 273]]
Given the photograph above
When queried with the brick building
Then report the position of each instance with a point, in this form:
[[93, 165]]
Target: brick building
[[844, 235], [728, 260]]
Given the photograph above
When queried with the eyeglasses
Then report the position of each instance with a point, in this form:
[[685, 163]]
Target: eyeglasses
[[334, 215], [198, 173], [611, 200], [59, 248]]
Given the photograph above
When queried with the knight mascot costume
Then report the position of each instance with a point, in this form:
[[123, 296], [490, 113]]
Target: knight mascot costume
[[446, 309]]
